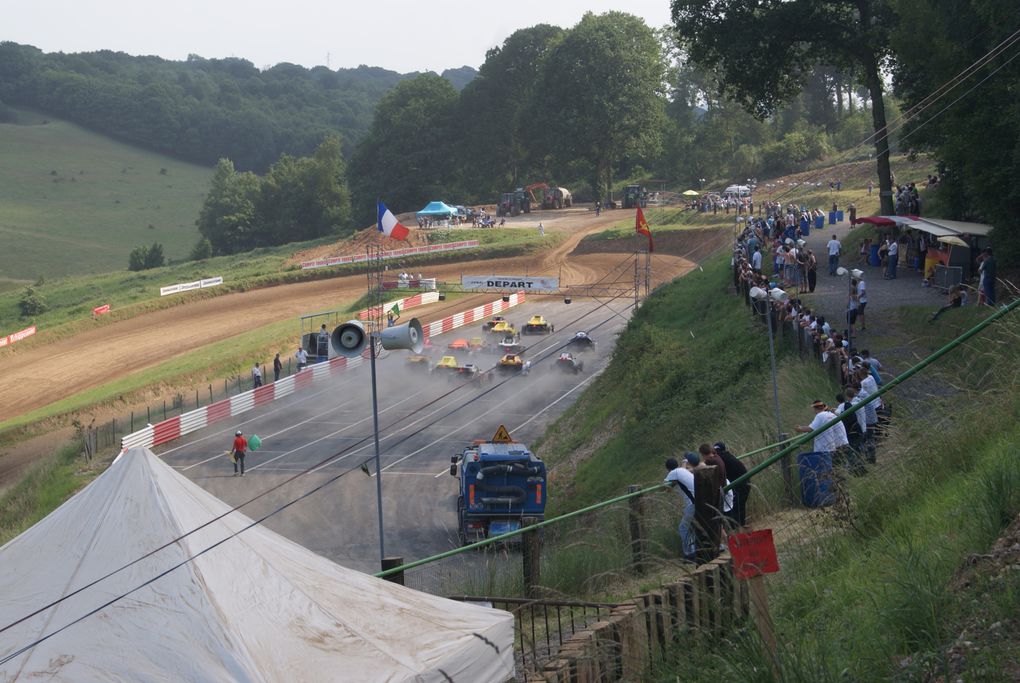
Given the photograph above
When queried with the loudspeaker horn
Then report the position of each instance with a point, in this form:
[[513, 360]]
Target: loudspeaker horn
[[407, 336], [349, 339]]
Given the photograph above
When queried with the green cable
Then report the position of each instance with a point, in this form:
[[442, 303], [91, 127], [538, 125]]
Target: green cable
[[765, 448], [797, 441], [518, 532]]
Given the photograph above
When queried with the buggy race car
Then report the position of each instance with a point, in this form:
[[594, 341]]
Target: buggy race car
[[567, 363], [537, 325]]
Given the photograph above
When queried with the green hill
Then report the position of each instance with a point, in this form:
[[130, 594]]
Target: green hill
[[73, 202]]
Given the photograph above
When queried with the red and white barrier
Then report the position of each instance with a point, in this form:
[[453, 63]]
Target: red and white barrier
[[402, 304], [396, 253], [17, 336], [192, 421]]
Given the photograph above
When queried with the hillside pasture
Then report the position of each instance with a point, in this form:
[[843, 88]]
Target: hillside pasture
[[73, 202]]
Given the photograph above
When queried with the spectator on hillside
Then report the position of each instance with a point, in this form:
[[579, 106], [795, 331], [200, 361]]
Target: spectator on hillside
[[855, 427], [830, 440], [277, 368], [681, 478], [987, 279], [735, 470], [954, 299], [833, 248], [302, 358], [860, 292], [256, 376]]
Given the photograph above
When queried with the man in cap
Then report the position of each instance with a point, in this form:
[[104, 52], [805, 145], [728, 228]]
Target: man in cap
[[239, 447], [833, 438]]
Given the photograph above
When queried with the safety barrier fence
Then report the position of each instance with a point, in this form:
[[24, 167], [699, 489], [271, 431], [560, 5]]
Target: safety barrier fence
[[172, 428], [395, 253]]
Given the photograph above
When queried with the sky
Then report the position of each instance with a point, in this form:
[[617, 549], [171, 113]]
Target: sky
[[402, 36]]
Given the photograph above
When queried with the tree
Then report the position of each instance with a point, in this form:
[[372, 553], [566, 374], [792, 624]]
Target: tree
[[154, 258], [600, 96], [137, 258], [202, 250], [764, 52], [977, 141], [407, 158], [227, 218]]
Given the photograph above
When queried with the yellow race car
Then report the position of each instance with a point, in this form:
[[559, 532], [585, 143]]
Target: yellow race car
[[502, 329], [511, 362], [538, 325]]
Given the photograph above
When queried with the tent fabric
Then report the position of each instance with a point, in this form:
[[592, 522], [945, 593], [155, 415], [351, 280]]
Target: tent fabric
[[437, 209], [258, 607], [961, 227]]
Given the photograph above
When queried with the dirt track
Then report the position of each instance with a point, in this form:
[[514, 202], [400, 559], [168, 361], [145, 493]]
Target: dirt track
[[40, 375]]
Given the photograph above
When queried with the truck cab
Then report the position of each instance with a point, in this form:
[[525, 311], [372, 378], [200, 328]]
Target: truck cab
[[500, 483]]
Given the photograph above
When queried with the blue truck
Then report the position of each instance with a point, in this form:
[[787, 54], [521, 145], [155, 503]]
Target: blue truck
[[500, 483]]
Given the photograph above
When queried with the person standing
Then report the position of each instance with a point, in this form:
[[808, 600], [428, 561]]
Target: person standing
[[833, 438], [834, 247], [277, 368], [240, 445], [756, 261], [735, 470], [812, 271], [987, 270], [893, 255], [302, 358], [256, 376], [682, 479], [861, 293]]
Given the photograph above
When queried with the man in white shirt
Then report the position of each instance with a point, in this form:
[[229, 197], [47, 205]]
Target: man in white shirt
[[756, 261], [302, 358], [682, 479], [834, 247], [893, 257], [833, 438], [861, 292]]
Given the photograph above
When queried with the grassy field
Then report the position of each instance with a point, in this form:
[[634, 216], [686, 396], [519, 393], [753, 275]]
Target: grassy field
[[74, 202]]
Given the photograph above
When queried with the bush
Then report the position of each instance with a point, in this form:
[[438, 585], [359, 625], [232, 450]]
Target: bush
[[31, 303], [144, 258], [202, 250]]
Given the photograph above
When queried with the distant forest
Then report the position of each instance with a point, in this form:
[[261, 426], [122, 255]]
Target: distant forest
[[707, 101], [200, 110]]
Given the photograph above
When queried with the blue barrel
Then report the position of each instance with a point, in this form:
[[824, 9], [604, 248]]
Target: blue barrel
[[816, 479], [839, 216], [832, 218], [819, 222], [874, 259]]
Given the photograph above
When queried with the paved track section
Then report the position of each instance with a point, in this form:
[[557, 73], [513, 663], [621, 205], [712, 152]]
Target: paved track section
[[424, 420]]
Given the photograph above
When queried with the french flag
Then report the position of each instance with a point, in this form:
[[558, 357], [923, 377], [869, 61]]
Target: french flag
[[389, 225]]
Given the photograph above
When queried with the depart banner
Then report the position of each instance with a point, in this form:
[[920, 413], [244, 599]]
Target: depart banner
[[514, 282]]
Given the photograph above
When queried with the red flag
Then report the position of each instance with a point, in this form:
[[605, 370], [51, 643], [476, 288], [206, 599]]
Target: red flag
[[641, 225]]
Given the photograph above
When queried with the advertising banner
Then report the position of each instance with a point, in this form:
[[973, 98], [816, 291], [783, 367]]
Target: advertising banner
[[17, 336], [515, 282]]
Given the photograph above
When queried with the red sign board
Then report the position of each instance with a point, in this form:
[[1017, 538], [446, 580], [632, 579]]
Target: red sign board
[[99, 310], [17, 336], [753, 553]]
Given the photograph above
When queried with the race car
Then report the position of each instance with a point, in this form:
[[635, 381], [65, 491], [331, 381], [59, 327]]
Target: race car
[[418, 362], [581, 342], [567, 363], [537, 325], [476, 344], [458, 345], [511, 363], [451, 367], [492, 321], [502, 329], [511, 345]]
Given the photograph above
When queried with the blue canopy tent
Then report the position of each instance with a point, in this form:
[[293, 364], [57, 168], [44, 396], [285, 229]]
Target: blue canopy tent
[[438, 210]]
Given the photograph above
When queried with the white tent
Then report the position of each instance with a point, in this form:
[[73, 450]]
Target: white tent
[[258, 607]]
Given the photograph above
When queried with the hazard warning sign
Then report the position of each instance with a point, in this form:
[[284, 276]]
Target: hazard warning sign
[[502, 436]]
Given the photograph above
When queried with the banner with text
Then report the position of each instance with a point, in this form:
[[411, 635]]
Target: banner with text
[[188, 286], [99, 310], [528, 284], [396, 253], [17, 336]]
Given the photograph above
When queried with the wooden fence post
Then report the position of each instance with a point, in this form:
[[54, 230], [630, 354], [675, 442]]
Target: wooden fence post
[[707, 513], [637, 537], [531, 555], [786, 466]]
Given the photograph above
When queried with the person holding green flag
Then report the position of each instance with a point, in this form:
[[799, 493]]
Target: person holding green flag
[[393, 315]]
